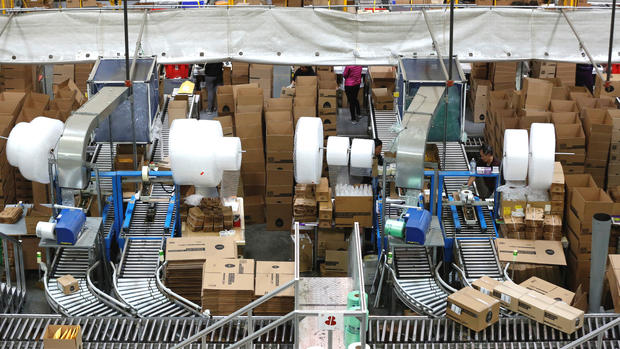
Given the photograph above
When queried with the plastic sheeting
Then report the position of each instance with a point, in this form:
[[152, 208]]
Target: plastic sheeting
[[304, 35]]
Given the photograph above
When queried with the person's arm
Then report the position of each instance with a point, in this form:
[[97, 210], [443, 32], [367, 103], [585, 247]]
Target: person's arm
[[346, 72], [471, 181]]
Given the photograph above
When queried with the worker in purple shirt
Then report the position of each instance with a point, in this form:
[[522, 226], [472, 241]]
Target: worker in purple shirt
[[352, 79]]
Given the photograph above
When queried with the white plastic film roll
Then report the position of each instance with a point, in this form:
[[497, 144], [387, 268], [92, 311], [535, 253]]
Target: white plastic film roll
[[362, 151], [42, 136], [14, 145], [542, 156], [338, 151], [45, 230], [228, 153], [516, 155], [308, 155], [357, 345]]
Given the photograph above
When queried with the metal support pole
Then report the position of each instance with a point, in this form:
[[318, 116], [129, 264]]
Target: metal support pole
[[601, 226], [611, 43], [250, 328], [583, 46], [382, 243]]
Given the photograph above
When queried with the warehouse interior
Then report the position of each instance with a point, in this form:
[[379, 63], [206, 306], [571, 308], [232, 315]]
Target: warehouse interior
[[309, 174]]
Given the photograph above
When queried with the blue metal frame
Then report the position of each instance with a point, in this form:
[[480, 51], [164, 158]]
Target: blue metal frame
[[449, 241], [109, 235], [122, 218]]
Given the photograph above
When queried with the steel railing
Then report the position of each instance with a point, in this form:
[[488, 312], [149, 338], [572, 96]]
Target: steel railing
[[355, 272], [13, 287], [599, 333]]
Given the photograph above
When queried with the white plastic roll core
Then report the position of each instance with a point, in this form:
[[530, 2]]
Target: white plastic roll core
[[357, 345], [362, 151], [45, 230], [338, 151], [516, 155], [308, 152], [542, 156], [228, 154]]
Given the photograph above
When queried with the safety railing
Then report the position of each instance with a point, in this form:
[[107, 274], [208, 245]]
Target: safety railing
[[355, 272], [13, 284], [599, 333]]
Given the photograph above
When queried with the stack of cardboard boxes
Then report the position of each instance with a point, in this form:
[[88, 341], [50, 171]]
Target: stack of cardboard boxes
[[240, 73], [324, 200], [328, 102], [613, 169], [557, 191], [584, 203], [249, 128], [332, 249], [597, 125], [566, 72], [262, 75], [503, 75], [305, 100], [279, 144], [270, 276], [10, 107], [304, 203], [479, 98], [351, 209], [227, 285], [570, 139], [186, 258], [18, 77], [543, 69]]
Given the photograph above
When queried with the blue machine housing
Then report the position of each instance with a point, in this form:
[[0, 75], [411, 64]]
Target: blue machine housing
[[69, 225], [418, 223]]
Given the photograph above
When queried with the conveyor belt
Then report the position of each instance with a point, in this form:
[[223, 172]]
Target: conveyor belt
[[381, 123], [161, 148], [478, 257], [140, 227], [101, 158], [82, 303], [466, 230], [136, 284], [390, 332], [414, 281], [117, 332], [456, 160]]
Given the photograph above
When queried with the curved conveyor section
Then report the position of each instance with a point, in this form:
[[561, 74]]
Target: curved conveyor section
[[415, 283]]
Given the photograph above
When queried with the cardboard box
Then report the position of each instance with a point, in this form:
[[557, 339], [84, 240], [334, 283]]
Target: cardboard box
[[74, 333], [278, 104], [472, 309], [565, 118], [613, 277], [548, 289], [177, 110], [537, 94], [586, 202], [199, 248], [563, 106], [531, 251], [67, 284], [337, 261], [508, 294], [570, 137], [279, 157], [225, 100], [563, 317], [326, 210], [351, 209], [254, 208], [485, 285], [597, 124], [322, 190], [305, 252], [279, 191], [279, 216], [534, 304]]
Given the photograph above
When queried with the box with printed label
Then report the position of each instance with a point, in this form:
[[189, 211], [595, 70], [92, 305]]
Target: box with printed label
[[548, 289], [533, 305], [485, 285], [508, 294], [563, 317], [472, 309]]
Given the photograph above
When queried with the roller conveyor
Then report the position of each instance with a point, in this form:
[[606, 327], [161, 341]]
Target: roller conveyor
[[102, 159], [414, 281], [140, 226], [82, 303], [456, 160], [478, 257], [381, 123], [25, 331]]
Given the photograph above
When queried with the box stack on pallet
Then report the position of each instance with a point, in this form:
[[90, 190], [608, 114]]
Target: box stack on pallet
[[279, 144], [566, 72], [328, 102], [18, 77], [81, 74], [227, 285], [503, 75], [613, 169], [304, 203], [543, 69]]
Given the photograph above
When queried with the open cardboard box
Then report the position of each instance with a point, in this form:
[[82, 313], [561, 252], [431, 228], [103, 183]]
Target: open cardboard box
[[75, 342]]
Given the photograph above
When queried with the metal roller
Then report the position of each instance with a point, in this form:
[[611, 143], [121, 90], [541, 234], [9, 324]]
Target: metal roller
[[478, 258]]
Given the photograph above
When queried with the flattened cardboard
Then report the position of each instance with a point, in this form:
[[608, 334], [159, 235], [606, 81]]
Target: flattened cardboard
[[531, 251]]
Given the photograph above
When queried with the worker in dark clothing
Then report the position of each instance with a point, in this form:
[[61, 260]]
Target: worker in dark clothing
[[485, 185], [214, 76], [304, 70], [378, 150], [584, 76]]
